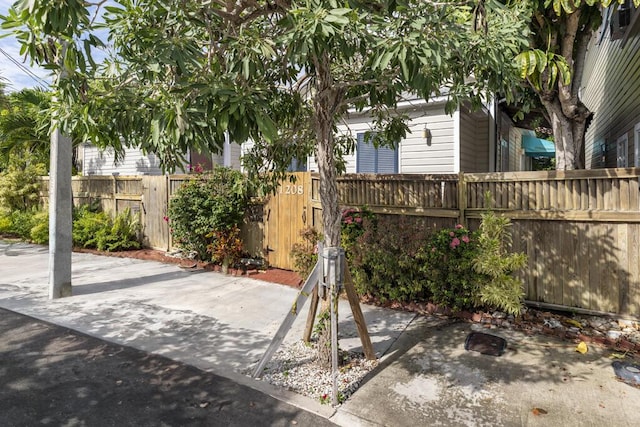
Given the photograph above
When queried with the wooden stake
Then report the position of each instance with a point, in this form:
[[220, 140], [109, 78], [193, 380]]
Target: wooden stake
[[358, 317], [311, 317]]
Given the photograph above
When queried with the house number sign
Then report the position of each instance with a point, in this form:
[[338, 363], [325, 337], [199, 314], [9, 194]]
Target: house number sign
[[292, 189]]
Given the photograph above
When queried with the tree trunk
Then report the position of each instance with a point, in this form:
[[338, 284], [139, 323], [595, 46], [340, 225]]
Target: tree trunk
[[569, 134], [326, 101]]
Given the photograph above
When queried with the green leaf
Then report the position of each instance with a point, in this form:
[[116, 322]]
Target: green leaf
[[334, 19], [155, 130]]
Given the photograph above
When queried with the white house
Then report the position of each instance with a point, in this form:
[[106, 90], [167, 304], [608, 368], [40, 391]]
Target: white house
[[438, 143], [94, 161]]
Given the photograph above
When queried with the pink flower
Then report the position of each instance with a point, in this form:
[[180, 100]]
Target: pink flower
[[465, 239], [165, 218], [358, 220], [459, 226], [348, 220], [452, 234], [455, 243], [433, 249]]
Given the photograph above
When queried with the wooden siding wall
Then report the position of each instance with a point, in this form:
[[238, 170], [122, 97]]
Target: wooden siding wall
[[102, 162], [415, 154], [611, 89], [474, 141], [580, 229]]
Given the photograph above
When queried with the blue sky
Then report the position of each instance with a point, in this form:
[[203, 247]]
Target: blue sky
[[13, 75]]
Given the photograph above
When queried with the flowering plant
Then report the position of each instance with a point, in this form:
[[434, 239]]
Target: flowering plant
[[448, 265], [353, 224]]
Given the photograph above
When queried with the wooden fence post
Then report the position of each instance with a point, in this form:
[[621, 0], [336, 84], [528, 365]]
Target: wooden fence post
[[462, 199]]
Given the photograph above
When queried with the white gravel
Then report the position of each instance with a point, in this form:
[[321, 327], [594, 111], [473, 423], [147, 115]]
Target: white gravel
[[294, 367]]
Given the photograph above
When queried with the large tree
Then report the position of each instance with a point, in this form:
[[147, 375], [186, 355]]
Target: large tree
[[187, 74], [553, 67]]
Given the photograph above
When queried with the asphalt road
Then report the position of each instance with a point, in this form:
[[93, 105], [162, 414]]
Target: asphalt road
[[50, 375]]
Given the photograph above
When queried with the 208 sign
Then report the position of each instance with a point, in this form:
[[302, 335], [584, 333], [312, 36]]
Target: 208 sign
[[292, 189]]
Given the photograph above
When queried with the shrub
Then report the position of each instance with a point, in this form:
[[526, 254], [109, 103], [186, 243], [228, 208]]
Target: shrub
[[448, 266], [121, 234], [40, 230], [20, 187], [352, 224], [209, 202], [305, 254], [382, 258], [87, 224], [97, 230], [21, 223], [501, 289], [226, 247]]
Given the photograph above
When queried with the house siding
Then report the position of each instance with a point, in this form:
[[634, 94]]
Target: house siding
[[610, 88], [474, 141], [415, 155], [102, 162]]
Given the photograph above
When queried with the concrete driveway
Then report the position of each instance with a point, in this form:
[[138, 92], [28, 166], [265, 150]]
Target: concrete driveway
[[224, 324]]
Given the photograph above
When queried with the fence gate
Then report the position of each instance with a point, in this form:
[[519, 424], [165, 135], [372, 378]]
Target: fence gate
[[154, 208], [285, 214]]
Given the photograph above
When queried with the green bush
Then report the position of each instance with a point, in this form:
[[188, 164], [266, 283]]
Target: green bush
[[448, 266], [305, 254], [208, 202], [20, 187], [121, 234], [95, 229], [40, 230], [382, 258], [87, 224], [501, 289], [21, 223]]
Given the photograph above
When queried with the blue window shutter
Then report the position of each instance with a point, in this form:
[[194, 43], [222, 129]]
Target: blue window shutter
[[366, 161], [372, 160], [387, 160]]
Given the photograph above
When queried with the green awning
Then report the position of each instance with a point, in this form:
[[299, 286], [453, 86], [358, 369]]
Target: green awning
[[536, 147]]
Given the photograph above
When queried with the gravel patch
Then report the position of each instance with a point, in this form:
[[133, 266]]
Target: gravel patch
[[294, 367]]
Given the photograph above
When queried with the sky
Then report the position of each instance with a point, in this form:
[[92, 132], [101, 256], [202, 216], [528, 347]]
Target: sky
[[14, 77], [14, 69]]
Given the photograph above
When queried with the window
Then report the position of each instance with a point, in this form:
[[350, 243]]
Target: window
[[370, 159], [620, 19], [297, 165], [622, 151]]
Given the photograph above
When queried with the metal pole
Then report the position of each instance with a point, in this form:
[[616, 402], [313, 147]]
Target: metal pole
[[333, 258]]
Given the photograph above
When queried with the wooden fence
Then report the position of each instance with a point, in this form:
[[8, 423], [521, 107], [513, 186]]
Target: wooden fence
[[580, 229]]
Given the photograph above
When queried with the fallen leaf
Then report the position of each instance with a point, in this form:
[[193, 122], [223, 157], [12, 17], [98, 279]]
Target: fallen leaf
[[574, 323], [204, 404], [538, 411], [582, 348], [618, 355]]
